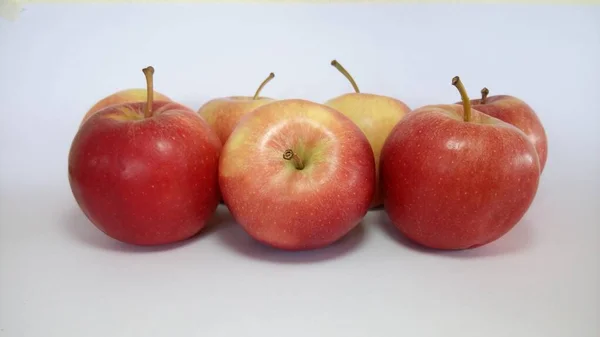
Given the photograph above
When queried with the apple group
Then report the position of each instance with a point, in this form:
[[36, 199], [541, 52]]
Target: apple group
[[297, 174]]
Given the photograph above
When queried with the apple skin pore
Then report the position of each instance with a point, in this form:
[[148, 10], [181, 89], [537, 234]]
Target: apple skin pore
[[285, 207], [450, 184], [146, 181], [516, 112]]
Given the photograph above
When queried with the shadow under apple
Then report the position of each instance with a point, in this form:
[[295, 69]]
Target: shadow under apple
[[79, 227], [518, 240], [234, 237]]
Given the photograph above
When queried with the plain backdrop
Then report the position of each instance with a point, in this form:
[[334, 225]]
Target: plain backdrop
[[60, 276]]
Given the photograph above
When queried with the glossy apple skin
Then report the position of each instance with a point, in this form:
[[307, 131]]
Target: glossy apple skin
[[449, 184], [518, 113], [146, 181], [375, 115], [293, 209], [121, 97], [223, 114]]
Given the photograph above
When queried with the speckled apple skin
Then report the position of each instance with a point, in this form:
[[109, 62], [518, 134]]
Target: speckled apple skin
[[146, 181], [292, 209], [450, 184], [518, 113]]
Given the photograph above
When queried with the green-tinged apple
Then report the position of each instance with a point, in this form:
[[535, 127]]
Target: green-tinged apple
[[223, 114], [297, 175], [456, 178], [123, 96], [375, 115], [146, 173], [518, 113]]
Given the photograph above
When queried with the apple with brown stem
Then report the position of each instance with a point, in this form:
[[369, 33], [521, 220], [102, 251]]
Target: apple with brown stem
[[146, 173], [375, 115], [456, 178]]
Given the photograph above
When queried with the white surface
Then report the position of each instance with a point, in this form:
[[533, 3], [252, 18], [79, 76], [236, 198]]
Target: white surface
[[59, 276]]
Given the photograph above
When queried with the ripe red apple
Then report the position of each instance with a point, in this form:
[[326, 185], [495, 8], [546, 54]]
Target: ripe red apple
[[518, 113], [297, 175], [456, 178], [146, 173], [223, 114]]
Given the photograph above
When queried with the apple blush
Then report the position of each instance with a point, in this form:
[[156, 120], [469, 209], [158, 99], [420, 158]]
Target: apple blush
[[457, 178], [297, 175], [146, 173]]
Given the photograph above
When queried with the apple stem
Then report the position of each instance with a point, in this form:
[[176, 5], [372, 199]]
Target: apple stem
[[289, 154], [149, 72], [267, 80], [342, 70], [465, 98], [484, 94]]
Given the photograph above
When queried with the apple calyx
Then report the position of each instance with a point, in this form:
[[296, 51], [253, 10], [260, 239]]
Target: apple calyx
[[149, 73], [484, 94], [267, 80], [343, 70], [289, 154], [464, 97]]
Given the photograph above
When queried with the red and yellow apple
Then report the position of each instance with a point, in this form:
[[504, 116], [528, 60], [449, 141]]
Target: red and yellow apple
[[223, 114], [375, 115], [297, 175], [456, 178], [123, 96], [146, 173], [518, 113]]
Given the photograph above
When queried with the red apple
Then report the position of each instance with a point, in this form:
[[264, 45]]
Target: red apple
[[146, 173], [297, 175], [516, 112], [456, 178]]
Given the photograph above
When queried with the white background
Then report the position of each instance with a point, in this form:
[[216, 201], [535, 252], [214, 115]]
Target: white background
[[59, 276]]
